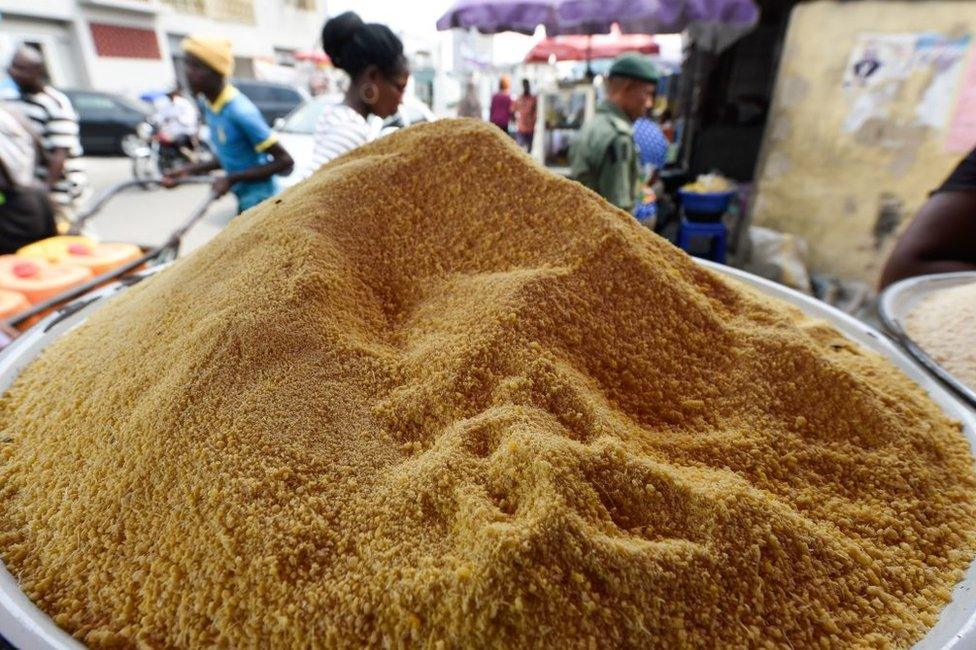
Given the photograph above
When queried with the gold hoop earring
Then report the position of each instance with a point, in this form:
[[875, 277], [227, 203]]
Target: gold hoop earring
[[369, 98]]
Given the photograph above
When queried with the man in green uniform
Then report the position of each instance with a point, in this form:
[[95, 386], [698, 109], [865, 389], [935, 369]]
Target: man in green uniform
[[604, 158]]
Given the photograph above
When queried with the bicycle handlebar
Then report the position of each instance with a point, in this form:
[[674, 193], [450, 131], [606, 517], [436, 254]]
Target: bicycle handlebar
[[113, 190], [172, 242]]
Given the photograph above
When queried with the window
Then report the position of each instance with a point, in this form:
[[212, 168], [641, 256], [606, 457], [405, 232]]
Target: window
[[285, 95], [257, 93], [85, 103], [265, 92], [303, 119], [91, 105], [132, 106], [125, 42]]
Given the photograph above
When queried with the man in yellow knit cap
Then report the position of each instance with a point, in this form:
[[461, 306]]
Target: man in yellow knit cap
[[247, 150]]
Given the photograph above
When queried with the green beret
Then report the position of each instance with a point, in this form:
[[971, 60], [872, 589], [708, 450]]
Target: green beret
[[633, 65]]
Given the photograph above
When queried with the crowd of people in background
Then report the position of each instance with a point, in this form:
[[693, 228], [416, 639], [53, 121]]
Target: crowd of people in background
[[248, 156], [506, 110], [40, 129], [618, 153], [470, 104]]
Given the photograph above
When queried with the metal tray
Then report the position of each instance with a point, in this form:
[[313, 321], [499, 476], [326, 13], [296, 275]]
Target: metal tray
[[898, 300], [27, 627]]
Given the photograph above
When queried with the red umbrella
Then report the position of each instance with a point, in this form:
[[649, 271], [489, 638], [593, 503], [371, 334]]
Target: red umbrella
[[585, 48]]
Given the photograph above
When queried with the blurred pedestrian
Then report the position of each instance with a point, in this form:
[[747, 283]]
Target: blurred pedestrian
[[26, 212], [667, 125], [318, 83], [652, 151], [372, 56], [500, 112], [177, 119], [604, 157], [247, 150], [942, 236], [53, 119], [652, 145], [470, 105], [525, 114]]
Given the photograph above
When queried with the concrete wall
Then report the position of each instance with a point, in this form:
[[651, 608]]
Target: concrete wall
[[845, 179], [62, 53], [126, 76], [56, 9], [62, 27], [275, 26]]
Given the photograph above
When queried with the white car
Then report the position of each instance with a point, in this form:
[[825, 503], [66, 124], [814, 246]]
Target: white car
[[296, 131]]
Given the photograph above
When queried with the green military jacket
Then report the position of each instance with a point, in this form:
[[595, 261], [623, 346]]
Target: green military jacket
[[604, 158]]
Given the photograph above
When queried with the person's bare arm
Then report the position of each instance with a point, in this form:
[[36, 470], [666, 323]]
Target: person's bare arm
[[941, 239], [280, 163], [55, 165], [193, 169]]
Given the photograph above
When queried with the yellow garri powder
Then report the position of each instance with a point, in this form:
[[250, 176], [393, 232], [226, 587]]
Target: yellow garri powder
[[438, 397]]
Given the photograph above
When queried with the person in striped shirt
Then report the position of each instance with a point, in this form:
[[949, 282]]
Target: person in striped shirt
[[372, 56], [26, 214], [53, 117]]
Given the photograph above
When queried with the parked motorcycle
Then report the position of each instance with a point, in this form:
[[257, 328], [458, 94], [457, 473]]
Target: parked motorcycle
[[154, 155]]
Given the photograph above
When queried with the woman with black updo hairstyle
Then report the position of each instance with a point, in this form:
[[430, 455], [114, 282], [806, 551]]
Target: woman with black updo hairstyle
[[372, 56]]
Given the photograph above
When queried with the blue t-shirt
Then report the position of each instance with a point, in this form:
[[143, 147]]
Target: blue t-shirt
[[651, 143], [240, 138]]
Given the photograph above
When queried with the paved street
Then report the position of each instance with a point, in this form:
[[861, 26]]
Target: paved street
[[148, 217]]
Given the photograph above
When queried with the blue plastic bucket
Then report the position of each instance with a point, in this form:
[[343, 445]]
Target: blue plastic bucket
[[705, 203]]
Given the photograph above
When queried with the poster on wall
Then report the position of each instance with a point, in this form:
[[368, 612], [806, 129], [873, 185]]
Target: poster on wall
[[906, 79], [878, 58]]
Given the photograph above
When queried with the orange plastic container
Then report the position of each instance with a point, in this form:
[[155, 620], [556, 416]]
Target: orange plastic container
[[101, 257], [12, 302], [82, 251], [54, 249], [39, 280]]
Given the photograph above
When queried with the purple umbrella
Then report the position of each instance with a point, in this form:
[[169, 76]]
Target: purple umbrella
[[594, 16]]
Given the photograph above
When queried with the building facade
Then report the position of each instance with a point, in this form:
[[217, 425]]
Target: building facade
[[864, 126], [130, 46]]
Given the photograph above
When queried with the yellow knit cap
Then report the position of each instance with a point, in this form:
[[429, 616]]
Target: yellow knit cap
[[212, 50]]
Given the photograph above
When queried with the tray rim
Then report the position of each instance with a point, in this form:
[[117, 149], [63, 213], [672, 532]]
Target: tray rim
[[892, 321]]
